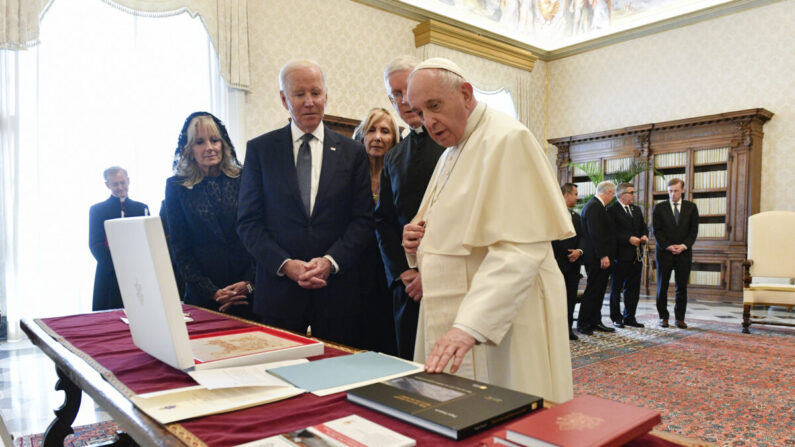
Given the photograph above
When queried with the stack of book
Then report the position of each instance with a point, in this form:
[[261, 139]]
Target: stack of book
[[585, 421]]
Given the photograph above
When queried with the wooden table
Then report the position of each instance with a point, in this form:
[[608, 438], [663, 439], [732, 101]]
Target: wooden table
[[75, 376], [110, 387]]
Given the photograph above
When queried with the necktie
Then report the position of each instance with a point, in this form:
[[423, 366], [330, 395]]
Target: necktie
[[303, 168], [628, 211], [676, 213]]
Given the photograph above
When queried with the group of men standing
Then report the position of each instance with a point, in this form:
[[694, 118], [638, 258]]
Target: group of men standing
[[610, 242]]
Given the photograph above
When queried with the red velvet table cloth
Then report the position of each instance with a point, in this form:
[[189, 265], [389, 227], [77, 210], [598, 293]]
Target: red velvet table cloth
[[104, 341]]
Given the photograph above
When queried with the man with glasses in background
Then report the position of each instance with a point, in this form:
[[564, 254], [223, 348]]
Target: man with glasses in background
[[631, 237]]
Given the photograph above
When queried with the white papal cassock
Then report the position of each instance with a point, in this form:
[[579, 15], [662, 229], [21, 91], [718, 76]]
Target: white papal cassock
[[491, 209]]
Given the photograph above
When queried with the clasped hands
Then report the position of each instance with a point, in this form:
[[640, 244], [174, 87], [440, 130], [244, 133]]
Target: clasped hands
[[232, 295], [633, 240], [309, 275], [676, 248]]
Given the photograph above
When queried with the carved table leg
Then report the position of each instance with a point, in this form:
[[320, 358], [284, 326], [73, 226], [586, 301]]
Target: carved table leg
[[61, 426]]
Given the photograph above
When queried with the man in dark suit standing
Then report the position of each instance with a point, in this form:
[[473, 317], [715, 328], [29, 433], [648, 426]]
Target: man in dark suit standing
[[600, 248], [568, 253], [675, 225], [106, 287], [407, 170], [631, 233], [305, 213]]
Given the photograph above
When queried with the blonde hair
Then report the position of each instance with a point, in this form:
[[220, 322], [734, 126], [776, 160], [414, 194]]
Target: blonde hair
[[373, 116], [186, 166]]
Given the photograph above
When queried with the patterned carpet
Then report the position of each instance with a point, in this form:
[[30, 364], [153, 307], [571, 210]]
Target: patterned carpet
[[84, 435], [709, 382]]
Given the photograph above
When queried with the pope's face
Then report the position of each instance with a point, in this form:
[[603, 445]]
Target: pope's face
[[118, 184], [398, 83], [443, 109], [304, 96]]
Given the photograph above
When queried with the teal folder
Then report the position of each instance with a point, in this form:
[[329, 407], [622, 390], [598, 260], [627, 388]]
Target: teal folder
[[343, 370]]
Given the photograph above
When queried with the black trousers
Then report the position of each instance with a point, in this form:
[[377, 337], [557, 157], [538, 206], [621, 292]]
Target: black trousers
[[626, 278], [572, 280], [680, 264], [591, 307], [406, 312]]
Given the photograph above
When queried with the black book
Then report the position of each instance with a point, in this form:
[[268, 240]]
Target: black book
[[449, 405]]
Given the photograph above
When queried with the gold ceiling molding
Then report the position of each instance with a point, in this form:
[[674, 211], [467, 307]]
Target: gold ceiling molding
[[432, 31]]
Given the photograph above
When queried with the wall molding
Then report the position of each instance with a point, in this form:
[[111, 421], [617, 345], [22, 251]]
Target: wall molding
[[446, 35]]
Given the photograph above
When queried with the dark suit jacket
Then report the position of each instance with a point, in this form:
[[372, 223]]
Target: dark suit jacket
[[407, 170], [106, 287], [667, 232], [599, 237], [274, 225], [561, 248], [626, 226], [202, 233]]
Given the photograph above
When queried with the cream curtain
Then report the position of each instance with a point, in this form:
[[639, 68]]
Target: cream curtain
[[489, 75], [226, 22]]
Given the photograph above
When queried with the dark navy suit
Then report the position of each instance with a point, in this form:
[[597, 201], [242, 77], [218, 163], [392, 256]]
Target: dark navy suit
[[570, 270], [106, 287], [599, 241], [667, 232], [274, 226], [627, 267]]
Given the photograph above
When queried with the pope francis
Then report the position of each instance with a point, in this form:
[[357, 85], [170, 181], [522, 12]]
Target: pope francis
[[494, 298]]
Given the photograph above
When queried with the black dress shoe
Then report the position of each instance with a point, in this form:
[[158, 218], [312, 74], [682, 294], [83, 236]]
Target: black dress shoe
[[632, 323], [663, 322], [603, 328], [585, 331], [573, 336], [618, 324]]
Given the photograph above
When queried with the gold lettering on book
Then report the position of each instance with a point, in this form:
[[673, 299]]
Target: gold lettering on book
[[411, 400], [578, 421]]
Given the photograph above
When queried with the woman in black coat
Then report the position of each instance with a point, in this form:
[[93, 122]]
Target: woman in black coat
[[379, 133], [201, 208]]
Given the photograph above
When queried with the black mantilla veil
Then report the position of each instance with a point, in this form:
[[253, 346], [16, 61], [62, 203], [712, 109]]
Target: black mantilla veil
[[183, 137]]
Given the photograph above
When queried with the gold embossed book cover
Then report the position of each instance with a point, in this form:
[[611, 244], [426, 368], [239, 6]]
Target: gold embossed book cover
[[585, 421]]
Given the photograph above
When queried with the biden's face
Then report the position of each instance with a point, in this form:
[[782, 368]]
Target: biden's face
[[304, 96], [443, 109]]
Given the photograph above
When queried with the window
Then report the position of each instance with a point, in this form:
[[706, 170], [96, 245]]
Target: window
[[103, 88], [499, 99]]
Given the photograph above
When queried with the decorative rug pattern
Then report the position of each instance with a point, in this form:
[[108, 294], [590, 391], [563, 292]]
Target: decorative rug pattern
[[83, 435], [710, 381]]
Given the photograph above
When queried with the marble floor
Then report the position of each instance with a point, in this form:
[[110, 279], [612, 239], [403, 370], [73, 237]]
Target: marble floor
[[27, 377]]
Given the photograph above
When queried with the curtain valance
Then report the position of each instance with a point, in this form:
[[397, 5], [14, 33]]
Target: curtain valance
[[226, 22]]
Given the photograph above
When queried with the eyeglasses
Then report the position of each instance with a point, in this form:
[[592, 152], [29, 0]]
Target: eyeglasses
[[396, 97], [628, 192]]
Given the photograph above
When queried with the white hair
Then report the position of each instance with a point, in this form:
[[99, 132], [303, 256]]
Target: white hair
[[605, 187], [295, 64], [406, 62]]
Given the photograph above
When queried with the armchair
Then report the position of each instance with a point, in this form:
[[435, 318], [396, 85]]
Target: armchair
[[769, 270]]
